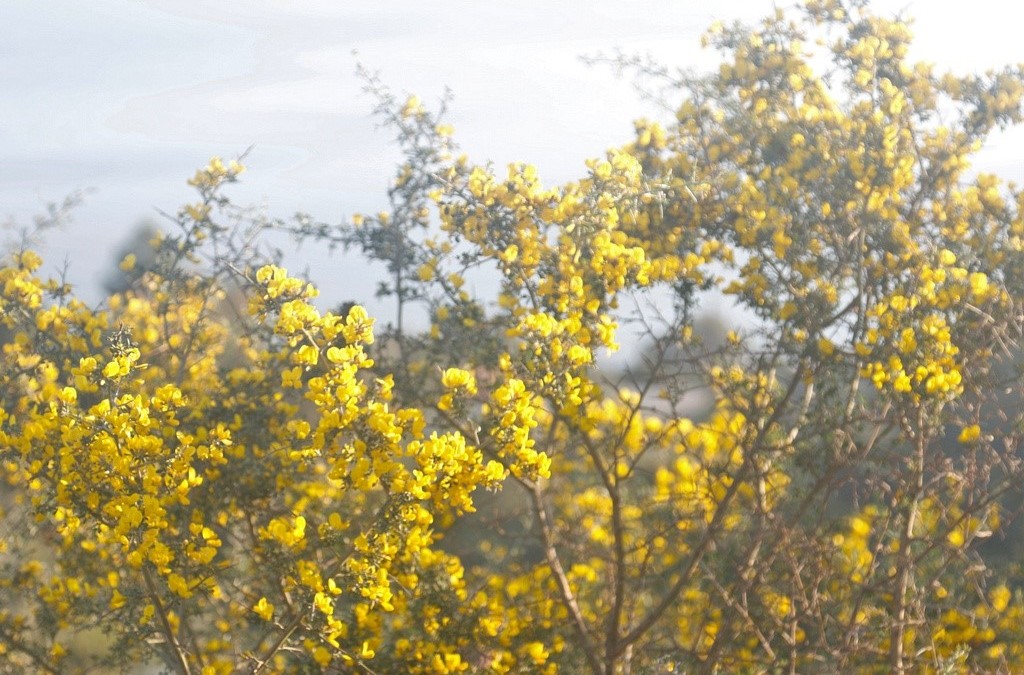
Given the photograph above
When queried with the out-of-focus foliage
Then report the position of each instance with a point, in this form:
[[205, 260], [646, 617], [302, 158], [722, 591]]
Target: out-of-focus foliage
[[210, 474]]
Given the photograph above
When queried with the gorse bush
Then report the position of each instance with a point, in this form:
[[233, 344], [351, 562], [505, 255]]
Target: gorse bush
[[209, 474]]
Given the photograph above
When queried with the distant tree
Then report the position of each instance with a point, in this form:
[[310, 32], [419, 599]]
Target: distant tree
[[135, 257]]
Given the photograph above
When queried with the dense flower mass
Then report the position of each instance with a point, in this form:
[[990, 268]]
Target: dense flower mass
[[212, 473]]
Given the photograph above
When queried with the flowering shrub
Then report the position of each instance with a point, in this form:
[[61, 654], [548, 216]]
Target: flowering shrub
[[211, 474]]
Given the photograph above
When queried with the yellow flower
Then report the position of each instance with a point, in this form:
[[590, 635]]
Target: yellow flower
[[969, 434], [999, 597], [456, 378], [264, 609], [537, 652], [112, 369]]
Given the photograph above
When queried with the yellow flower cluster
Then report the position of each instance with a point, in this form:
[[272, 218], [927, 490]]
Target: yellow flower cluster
[[231, 478], [909, 343], [157, 451]]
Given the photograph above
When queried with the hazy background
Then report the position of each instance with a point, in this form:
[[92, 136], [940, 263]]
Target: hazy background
[[126, 98]]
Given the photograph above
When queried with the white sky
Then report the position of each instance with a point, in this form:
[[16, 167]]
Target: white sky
[[127, 98]]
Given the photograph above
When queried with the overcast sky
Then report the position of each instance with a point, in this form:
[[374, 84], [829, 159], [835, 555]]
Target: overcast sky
[[126, 98]]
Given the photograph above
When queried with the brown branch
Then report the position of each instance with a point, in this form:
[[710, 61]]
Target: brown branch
[[906, 561], [262, 662], [165, 621], [564, 588], [619, 581], [711, 532]]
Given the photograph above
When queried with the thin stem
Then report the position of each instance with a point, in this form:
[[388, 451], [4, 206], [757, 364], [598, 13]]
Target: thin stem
[[564, 588], [165, 621], [906, 562]]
